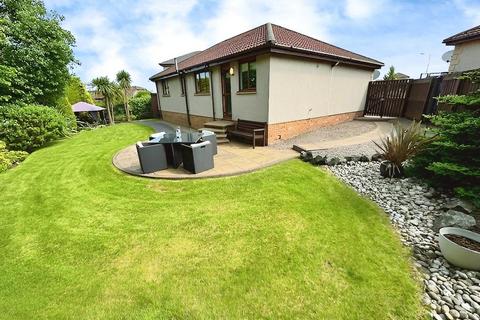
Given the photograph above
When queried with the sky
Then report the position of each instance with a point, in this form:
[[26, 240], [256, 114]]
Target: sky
[[136, 35]]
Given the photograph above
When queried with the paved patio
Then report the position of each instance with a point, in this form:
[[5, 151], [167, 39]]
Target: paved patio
[[232, 159], [345, 134]]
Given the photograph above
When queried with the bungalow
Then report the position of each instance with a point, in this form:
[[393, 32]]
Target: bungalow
[[270, 74], [466, 55]]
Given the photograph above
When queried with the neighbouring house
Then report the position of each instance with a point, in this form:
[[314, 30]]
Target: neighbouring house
[[401, 76], [133, 90], [271, 74], [466, 55]]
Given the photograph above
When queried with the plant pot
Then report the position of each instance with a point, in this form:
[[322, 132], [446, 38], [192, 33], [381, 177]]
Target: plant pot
[[390, 170], [456, 254]]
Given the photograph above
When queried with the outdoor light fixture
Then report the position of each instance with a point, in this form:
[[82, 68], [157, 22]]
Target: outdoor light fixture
[[231, 71]]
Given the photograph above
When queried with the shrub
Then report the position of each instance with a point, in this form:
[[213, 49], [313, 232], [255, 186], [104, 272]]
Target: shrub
[[140, 105], [401, 145], [30, 127], [64, 107], [453, 161], [9, 159]]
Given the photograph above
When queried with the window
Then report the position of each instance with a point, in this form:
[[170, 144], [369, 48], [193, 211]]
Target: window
[[165, 88], [202, 82], [248, 76], [182, 85]]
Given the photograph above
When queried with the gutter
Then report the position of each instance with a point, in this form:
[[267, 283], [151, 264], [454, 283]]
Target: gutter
[[211, 89], [182, 77]]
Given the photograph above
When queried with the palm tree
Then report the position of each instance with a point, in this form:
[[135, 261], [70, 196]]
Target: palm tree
[[109, 90], [391, 74], [125, 82]]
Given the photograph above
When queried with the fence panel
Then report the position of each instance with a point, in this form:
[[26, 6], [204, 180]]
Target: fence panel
[[386, 98], [421, 98], [413, 98], [452, 85]]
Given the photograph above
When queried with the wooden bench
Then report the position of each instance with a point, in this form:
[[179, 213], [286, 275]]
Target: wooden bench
[[250, 130]]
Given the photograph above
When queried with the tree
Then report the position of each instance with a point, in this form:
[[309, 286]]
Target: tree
[[76, 91], [452, 161], [390, 75], [141, 105], [125, 82], [109, 90], [35, 53]]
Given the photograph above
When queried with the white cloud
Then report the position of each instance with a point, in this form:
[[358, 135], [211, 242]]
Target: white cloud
[[137, 35], [235, 16], [362, 9], [99, 43], [471, 9], [158, 30]]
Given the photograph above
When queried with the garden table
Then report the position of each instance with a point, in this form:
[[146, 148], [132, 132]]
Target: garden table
[[172, 145]]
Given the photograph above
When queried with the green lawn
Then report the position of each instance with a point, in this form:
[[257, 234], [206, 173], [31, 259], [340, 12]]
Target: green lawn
[[78, 239]]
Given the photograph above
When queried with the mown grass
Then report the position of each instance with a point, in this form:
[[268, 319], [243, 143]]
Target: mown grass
[[78, 239]]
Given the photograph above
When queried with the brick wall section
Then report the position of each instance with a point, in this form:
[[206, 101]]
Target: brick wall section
[[286, 130], [181, 119]]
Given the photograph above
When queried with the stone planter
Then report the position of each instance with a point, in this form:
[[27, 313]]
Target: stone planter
[[456, 254]]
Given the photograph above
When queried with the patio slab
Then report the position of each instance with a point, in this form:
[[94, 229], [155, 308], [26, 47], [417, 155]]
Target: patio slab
[[342, 135], [232, 159]]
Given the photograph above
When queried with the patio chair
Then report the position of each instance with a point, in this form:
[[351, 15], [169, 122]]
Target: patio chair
[[157, 135], [152, 157], [197, 157], [212, 137]]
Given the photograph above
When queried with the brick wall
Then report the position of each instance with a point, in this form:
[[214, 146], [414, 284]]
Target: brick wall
[[286, 130], [181, 119], [276, 131]]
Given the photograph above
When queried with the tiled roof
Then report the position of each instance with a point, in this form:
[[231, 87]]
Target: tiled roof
[[293, 39], [179, 59], [470, 34], [262, 36]]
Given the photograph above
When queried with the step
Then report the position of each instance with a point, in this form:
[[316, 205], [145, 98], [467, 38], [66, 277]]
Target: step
[[222, 140], [220, 124], [216, 130]]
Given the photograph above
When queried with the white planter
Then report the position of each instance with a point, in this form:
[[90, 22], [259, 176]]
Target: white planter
[[456, 254]]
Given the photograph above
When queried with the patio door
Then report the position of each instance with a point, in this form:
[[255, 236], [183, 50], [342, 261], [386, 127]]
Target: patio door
[[226, 92]]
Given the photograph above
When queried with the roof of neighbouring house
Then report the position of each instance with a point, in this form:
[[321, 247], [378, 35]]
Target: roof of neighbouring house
[[85, 107], [269, 36], [400, 75], [467, 35]]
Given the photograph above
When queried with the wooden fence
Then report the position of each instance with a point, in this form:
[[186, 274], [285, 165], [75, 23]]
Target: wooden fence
[[413, 98], [421, 98], [386, 98]]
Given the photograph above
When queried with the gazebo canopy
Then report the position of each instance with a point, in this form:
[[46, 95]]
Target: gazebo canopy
[[85, 107]]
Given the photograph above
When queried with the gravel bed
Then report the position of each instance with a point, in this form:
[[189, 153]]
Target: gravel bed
[[368, 149], [449, 292], [336, 132]]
